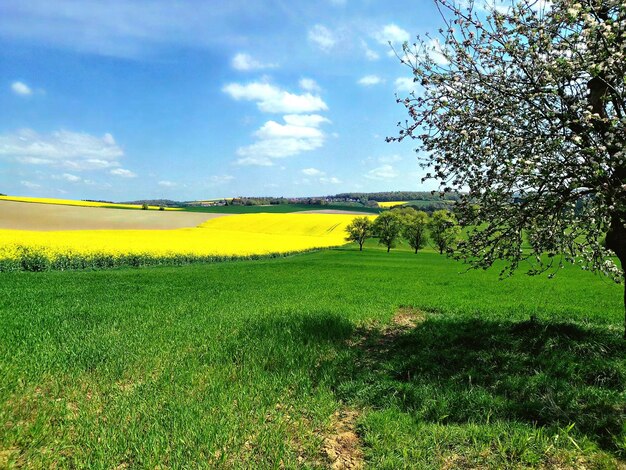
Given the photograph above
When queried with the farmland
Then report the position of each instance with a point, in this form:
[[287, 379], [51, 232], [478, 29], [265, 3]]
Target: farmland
[[388, 204], [48, 216], [263, 363], [72, 202], [327, 358], [218, 238], [281, 208]]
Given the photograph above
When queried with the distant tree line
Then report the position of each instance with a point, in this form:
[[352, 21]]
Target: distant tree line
[[399, 196], [416, 227]]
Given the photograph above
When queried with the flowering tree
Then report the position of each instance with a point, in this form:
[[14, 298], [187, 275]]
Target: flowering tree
[[524, 109]]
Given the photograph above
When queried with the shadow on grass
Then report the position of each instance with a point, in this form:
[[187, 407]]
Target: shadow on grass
[[474, 371], [459, 370]]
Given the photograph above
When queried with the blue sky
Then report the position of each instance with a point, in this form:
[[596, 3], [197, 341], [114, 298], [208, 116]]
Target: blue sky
[[121, 100]]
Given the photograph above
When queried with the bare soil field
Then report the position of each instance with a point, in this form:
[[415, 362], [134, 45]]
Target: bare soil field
[[45, 217]]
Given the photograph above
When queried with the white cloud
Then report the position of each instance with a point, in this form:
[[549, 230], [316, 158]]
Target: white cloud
[[256, 160], [436, 52], [300, 133], [384, 172], [245, 63], [72, 150], [393, 34], [313, 120], [271, 99], [312, 172], [370, 80], [167, 184], [71, 178], [330, 180], [30, 185], [322, 37], [123, 173], [274, 130], [405, 84], [369, 53], [20, 88], [261, 152], [390, 159], [308, 84], [220, 179]]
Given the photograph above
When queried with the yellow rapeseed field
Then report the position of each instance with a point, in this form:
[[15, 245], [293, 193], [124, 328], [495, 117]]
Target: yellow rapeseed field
[[72, 202], [242, 235], [391, 203]]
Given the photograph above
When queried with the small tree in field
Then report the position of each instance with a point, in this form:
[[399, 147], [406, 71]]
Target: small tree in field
[[359, 230], [387, 227], [524, 108], [414, 229], [444, 230]]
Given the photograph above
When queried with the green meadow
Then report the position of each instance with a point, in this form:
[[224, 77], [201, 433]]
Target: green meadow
[[339, 356]]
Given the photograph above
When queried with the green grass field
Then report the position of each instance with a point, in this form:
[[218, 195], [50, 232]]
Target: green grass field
[[245, 365]]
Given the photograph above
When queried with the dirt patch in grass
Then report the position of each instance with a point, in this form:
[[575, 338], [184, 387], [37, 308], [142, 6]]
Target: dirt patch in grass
[[8, 456], [408, 317], [47, 217], [343, 448], [375, 338]]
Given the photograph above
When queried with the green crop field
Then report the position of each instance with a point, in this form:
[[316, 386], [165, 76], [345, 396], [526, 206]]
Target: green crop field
[[281, 208], [271, 363]]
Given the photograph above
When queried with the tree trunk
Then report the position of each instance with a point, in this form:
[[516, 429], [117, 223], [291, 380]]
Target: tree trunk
[[360, 246], [415, 250], [616, 241], [388, 248]]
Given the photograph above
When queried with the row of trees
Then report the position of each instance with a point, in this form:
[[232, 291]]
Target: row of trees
[[416, 227]]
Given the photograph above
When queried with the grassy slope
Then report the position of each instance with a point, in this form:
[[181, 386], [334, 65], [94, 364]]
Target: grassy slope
[[279, 208], [242, 364]]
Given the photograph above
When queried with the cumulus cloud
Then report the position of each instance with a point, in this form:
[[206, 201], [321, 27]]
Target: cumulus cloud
[[20, 88], [167, 184], [311, 120], [370, 80], [71, 150], [299, 133], [312, 172], [322, 37], [272, 99], [384, 172], [436, 52], [405, 84], [308, 84], [393, 34], [123, 173], [245, 63]]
